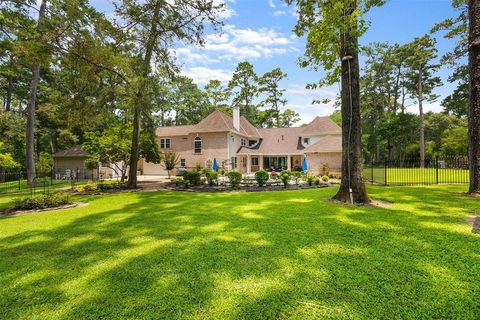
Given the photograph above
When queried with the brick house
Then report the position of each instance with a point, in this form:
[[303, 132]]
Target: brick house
[[237, 145]]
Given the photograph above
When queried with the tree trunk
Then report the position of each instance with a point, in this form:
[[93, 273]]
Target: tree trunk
[[139, 101], [422, 120], [352, 173], [474, 106], [32, 97], [8, 99]]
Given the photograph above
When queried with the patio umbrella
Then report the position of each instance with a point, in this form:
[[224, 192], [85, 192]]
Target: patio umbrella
[[215, 165], [304, 164]]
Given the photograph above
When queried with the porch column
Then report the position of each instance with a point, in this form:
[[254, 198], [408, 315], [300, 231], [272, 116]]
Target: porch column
[[249, 163], [289, 165], [260, 162]]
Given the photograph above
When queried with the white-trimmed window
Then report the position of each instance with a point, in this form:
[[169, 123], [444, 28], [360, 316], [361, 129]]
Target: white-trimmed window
[[165, 143], [197, 145], [234, 163], [306, 140], [183, 163], [244, 142]]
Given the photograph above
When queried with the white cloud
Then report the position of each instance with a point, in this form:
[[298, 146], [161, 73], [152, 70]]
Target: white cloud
[[226, 12], [278, 13], [201, 75], [271, 3]]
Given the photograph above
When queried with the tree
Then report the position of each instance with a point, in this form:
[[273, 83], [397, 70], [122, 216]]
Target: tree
[[170, 161], [269, 85], [217, 95], [474, 105], [288, 118], [421, 80], [244, 89], [455, 142], [332, 29], [152, 28]]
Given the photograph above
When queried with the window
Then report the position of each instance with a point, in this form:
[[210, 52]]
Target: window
[[234, 163], [244, 142], [197, 145], [183, 163], [164, 143], [252, 142], [306, 140], [254, 161]]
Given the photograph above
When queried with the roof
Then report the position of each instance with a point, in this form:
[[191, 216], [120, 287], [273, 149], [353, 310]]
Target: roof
[[216, 121], [321, 125], [326, 144], [74, 151], [276, 141]]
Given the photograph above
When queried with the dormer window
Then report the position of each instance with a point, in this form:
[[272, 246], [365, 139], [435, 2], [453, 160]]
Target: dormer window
[[306, 140], [197, 145], [244, 142]]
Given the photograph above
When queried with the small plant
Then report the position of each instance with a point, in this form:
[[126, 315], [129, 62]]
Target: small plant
[[325, 169], [297, 175], [212, 177], [198, 166], [262, 177], [331, 176], [310, 180], [170, 161], [47, 200], [178, 182], [317, 181], [325, 178], [191, 177], [111, 185], [235, 178], [285, 176]]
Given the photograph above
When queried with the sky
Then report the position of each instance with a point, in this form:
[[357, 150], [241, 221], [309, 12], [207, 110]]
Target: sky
[[260, 31]]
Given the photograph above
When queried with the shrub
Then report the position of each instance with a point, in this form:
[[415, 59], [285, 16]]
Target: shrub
[[111, 185], [325, 169], [262, 177], [178, 181], [325, 178], [317, 181], [212, 177], [310, 180], [235, 178], [297, 175], [285, 176], [331, 176], [47, 200], [191, 177]]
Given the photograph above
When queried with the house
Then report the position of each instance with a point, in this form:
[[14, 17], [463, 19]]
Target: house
[[238, 145], [69, 163]]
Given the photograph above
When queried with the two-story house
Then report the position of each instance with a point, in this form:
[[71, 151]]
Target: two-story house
[[238, 145]]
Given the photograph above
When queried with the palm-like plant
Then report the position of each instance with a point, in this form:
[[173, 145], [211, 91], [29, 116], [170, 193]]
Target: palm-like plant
[[170, 161]]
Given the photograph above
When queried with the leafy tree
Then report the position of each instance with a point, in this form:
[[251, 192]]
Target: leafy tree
[[153, 27], [170, 161], [189, 101], [288, 118], [421, 80], [217, 95], [245, 90], [332, 29], [455, 141], [269, 85]]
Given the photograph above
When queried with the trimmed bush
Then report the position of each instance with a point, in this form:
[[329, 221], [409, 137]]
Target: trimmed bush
[[111, 185], [297, 175], [317, 181], [325, 178], [285, 176], [235, 178], [43, 201], [191, 177], [212, 177], [262, 177], [310, 180]]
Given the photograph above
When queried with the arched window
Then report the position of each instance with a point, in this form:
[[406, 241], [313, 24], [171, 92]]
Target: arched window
[[197, 145]]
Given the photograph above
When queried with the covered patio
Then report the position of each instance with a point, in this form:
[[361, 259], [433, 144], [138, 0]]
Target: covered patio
[[251, 163]]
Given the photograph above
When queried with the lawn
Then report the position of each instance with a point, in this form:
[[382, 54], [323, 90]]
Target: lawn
[[406, 176], [267, 255]]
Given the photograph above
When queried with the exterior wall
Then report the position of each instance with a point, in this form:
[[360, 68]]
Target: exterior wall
[[332, 159], [68, 166], [214, 146]]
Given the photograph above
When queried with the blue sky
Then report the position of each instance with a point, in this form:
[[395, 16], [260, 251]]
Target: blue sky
[[260, 31]]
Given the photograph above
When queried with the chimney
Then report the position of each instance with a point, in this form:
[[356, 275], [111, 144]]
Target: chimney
[[236, 118]]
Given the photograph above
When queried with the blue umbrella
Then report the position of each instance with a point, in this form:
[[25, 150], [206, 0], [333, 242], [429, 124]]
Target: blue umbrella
[[215, 165], [304, 164]]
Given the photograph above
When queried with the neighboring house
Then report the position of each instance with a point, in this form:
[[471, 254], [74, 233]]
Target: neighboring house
[[69, 163], [237, 145]]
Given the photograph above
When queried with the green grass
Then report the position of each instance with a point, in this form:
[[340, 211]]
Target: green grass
[[267, 255], [417, 175]]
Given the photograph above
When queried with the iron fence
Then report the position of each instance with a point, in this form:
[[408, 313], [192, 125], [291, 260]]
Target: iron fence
[[437, 170]]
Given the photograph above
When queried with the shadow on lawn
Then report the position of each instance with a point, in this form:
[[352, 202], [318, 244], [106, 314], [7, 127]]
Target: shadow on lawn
[[252, 256]]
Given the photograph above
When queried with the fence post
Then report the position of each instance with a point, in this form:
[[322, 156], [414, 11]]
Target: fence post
[[436, 168], [385, 171], [371, 166]]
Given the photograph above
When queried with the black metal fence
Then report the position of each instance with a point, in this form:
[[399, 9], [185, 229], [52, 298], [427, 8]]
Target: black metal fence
[[439, 170], [44, 181]]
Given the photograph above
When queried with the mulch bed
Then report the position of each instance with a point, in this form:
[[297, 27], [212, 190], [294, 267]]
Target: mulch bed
[[15, 213], [241, 189]]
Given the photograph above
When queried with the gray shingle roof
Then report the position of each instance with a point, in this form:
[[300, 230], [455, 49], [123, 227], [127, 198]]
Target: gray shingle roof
[[74, 151]]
